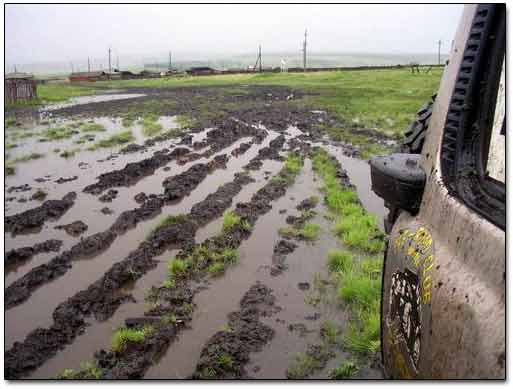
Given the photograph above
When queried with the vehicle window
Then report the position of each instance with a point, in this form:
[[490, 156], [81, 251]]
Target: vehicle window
[[495, 165]]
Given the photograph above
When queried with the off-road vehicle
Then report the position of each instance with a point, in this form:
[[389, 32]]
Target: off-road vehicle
[[443, 289]]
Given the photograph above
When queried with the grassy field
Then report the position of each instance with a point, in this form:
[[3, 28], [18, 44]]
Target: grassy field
[[381, 99], [385, 100]]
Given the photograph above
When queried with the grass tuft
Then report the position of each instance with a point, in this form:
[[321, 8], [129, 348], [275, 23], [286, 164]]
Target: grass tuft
[[92, 127], [113, 140], [347, 369], [123, 336]]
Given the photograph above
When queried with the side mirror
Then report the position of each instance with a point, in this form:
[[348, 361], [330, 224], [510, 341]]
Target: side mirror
[[399, 180]]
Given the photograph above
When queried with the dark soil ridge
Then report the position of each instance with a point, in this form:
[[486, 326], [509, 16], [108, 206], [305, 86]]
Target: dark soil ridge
[[246, 334], [34, 218], [177, 302], [24, 254], [133, 171], [218, 138], [102, 298]]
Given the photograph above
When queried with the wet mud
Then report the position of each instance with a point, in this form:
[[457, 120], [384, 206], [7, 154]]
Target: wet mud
[[227, 352], [24, 254], [33, 219], [212, 143]]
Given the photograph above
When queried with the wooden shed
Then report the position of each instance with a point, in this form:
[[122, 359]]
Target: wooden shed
[[19, 86]]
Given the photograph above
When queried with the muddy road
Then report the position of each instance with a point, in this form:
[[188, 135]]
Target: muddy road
[[178, 233]]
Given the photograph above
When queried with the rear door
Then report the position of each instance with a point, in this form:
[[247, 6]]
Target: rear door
[[443, 306]]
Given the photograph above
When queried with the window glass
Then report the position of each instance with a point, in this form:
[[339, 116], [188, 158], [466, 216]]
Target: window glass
[[496, 164]]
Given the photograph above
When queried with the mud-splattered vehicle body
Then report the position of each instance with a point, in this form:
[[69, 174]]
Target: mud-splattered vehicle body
[[443, 296]]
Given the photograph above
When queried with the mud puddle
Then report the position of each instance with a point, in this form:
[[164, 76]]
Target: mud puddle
[[37, 310], [98, 334], [255, 262], [91, 99]]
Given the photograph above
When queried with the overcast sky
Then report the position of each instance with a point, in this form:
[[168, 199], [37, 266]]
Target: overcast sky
[[41, 33]]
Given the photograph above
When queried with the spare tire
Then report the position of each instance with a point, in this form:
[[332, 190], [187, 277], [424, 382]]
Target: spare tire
[[415, 134], [413, 142]]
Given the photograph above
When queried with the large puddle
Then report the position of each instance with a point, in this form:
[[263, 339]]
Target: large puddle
[[91, 99]]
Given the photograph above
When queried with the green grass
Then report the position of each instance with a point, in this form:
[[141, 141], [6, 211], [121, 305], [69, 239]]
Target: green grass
[[302, 366], [227, 256], [329, 333], [339, 261], [56, 133], [292, 167], [88, 371], [128, 121], [123, 336], [385, 99], [184, 121], [9, 122], [293, 164], [114, 140], [230, 220], [69, 153], [29, 157], [308, 231], [169, 221], [216, 268], [92, 127], [177, 268], [60, 92], [357, 270], [169, 318], [347, 369], [225, 361], [9, 170], [150, 126]]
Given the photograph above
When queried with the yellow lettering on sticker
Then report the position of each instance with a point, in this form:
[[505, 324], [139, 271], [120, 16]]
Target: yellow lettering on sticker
[[414, 255], [426, 297]]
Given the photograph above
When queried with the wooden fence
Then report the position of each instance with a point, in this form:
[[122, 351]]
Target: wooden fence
[[19, 89]]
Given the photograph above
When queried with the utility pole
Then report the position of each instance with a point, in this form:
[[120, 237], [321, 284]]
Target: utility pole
[[260, 57], [439, 46], [110, 68], [304, 53], [117, 62], [169, 65], [15, 70], [88, 65]]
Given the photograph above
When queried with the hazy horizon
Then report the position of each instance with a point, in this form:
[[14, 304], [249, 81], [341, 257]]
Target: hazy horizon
[[137, 33]]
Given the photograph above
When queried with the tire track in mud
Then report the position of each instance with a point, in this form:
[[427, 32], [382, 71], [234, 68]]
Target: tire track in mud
[[133, 361], [176, 188], [33, 314], [99, 333], [100, 298]]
